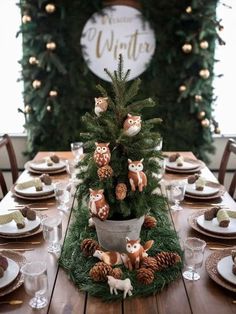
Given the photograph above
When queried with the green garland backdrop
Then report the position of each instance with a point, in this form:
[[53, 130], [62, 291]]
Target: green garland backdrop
[[58, 86]]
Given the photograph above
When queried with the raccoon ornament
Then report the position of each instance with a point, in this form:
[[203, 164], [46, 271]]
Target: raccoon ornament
[[132, 125], [101, 105]]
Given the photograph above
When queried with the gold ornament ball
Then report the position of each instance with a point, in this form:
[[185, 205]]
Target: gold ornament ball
[[187, 48], [217, 130], [26, 19], [201, 114], [33, 60], [198, 98], [205, 123], [182, 88], [51, 46], [50, 8], [53, 93], [188, 10], [204, 44], [204, 73], [36, 84], [49, 108], [27, 109]]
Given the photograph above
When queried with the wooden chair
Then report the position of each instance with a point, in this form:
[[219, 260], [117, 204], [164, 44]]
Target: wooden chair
[[230, 149], [6, 143]]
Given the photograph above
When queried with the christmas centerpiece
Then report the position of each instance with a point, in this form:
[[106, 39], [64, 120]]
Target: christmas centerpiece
[[121, 243]]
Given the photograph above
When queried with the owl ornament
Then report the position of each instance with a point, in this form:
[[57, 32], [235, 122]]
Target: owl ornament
[[102, 154], [137, 178], [132, 125], [101, 105], [98, 206]]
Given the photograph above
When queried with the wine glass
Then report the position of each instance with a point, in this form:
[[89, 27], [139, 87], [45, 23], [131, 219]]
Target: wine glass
[[62, 195], [52, 233], [36, 283], [193, 257], [77, 150], [176, 192]]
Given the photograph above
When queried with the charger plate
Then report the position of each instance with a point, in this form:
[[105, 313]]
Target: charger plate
[[224, 268], [211, 268], [20, 260], [23, 235], [188, 164], [31, 191], [10, 273], [218, 194], [32, 198], [41, 165], [34, 171], [10, 228], [213, 225], [192, 220]]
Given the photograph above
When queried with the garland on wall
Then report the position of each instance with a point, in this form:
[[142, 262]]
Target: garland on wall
[[59, 85]]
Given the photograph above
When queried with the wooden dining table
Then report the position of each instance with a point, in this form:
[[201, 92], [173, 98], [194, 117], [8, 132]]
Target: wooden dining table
[[181, 296]]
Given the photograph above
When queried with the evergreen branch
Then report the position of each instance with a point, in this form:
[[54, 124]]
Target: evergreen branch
[[132, 90], [141, 104]]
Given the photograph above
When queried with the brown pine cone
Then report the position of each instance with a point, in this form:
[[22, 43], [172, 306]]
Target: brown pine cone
[[89, 246], [149, 222], [166, 259], [145, 275], [149, 262], [117, 273], [121, 191], [105, 172], [100, 271]]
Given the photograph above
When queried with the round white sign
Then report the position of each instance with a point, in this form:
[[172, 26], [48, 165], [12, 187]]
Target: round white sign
[[117, 30]]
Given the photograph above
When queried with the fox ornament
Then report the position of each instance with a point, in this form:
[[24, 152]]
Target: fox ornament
[[101, 105], [137, 178], [132, 125], [136, 252], [97, 204], [102, 154]]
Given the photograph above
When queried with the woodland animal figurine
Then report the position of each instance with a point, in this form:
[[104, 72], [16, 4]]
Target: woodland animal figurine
[[97, 204], [101, 105], [102, 154], [118, 284], [132, 125], [137, 178], [136, 252], [110, 258]]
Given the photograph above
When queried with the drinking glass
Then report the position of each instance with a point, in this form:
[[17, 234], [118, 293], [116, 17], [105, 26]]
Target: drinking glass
[[176, 192], [159, 146], [52, 233], [193, 257], [62, 195], [70, 168], [77, 150], [36, 283]]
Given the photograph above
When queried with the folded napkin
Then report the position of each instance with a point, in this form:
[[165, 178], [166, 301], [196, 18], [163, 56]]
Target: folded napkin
[[27, 184], [8, 217], [223, 218]]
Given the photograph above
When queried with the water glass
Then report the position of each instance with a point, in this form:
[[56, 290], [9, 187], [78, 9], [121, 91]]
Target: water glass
[[36, 283], [62, 195], [193, 257], [52, 233], [71, 168], [77, 150], [175, 192]]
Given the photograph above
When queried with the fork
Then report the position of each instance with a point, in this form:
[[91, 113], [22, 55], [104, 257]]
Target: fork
[[18, 242]]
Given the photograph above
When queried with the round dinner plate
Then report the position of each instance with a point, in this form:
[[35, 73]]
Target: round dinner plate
[[224, 267], [213, 225], [43, 166], [186, 165], [208, 190], [11, 228], [32, 197], [10, 273], [31, 191]]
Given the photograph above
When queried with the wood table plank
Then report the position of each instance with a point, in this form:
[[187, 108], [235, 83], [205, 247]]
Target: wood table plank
[[97, 306], [141, 305]]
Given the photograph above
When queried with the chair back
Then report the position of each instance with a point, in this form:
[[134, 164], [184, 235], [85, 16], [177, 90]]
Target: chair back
[[6, 143], [229, 150]]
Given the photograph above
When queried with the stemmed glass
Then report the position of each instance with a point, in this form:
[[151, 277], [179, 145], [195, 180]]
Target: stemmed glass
[[62, 195], [193, 257], [52, 233], [36, 283], [176, 192], [77, 150]]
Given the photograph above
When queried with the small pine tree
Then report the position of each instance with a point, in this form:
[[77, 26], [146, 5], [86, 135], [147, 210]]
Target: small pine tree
[[108, 128]]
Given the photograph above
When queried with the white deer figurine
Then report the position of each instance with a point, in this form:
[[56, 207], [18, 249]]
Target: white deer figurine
[[118, 284]]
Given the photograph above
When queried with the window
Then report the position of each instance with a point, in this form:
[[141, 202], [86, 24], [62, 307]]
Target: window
[[11, 98], [225, 86]]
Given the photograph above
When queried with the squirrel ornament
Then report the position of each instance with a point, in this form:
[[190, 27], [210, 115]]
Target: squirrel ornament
[[137, 178], [97, 204], [136, 252]]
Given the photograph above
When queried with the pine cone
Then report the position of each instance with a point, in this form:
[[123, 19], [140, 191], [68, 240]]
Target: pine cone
[[121, 191], [105, 172], [149, 262], [89, 246], [166, 259], [149, 222], [100, 271], [117, 273], [145, 275]]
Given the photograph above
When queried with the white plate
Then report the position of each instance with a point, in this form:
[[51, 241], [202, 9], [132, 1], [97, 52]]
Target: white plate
[[11, 228], [208, 190], [42, 165], [10, 273], [186, 165], [224, 268], [31, 191], [213, 225]]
